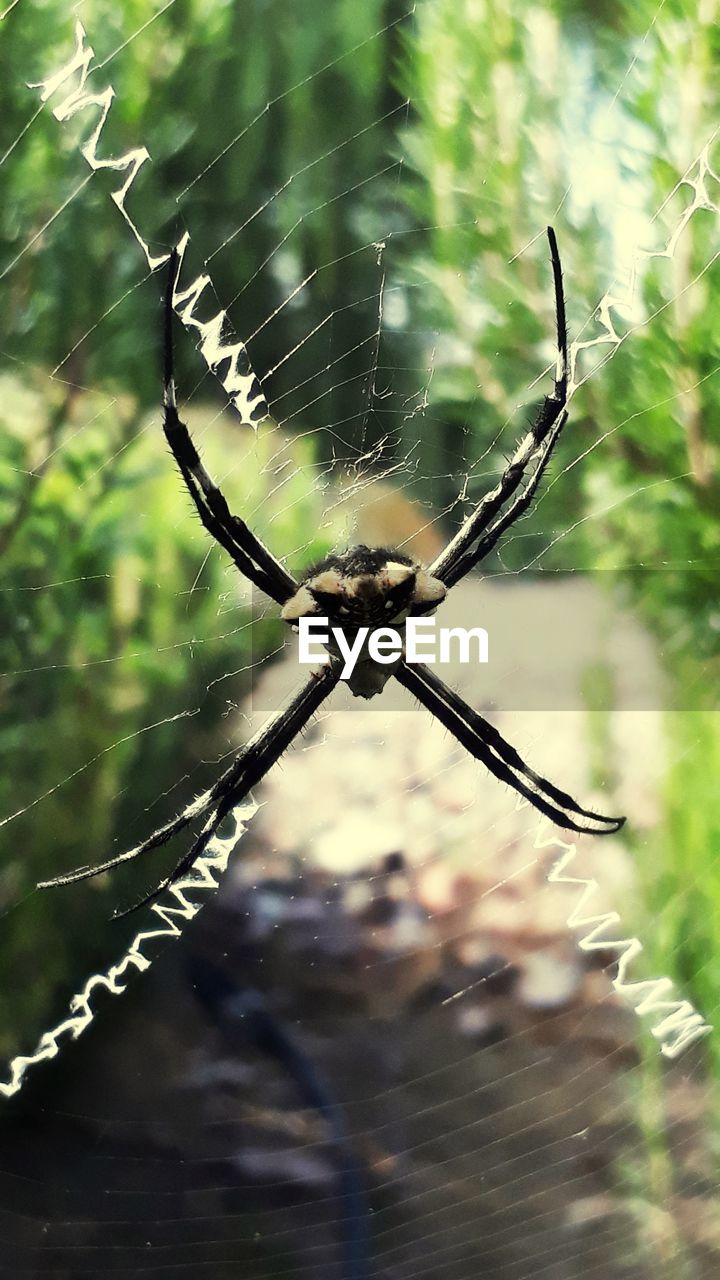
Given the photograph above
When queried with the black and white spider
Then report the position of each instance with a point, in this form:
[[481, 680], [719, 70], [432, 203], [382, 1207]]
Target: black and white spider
[[364, 587]]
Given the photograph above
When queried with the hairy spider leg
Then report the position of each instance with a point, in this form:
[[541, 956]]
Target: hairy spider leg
[[249, 767], [461, 553], [250, 555], [517, 507], [486, 744]]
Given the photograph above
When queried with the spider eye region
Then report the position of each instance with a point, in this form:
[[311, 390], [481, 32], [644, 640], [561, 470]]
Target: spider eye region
[[364, 590], [364, 587]]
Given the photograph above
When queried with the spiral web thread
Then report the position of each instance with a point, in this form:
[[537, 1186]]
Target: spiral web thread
[[176, 908], [238, 379], [681, 1025]]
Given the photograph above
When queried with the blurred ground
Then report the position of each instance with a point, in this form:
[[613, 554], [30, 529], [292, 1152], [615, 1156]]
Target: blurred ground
[[388, 910]]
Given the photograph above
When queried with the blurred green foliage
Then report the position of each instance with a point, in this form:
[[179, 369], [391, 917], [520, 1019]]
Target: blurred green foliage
[[124, 650], [227, 101], [501, 91], [681, 887]]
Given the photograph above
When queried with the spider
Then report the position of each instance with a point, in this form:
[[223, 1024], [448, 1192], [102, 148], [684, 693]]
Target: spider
[[359, 587]]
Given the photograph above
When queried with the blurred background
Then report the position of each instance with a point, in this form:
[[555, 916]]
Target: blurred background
[[382, 1040]]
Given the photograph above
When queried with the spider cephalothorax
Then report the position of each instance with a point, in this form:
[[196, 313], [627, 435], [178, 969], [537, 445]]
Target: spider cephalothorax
[[365, 588]]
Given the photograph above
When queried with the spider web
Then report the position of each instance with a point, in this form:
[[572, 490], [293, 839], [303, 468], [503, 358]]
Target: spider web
[[401, 1040]]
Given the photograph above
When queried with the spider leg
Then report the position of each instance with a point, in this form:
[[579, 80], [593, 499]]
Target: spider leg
[[188, 859], [250, 765], [517, 508], [464, 550], [159, 837], [486, 744], [250, 555]]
